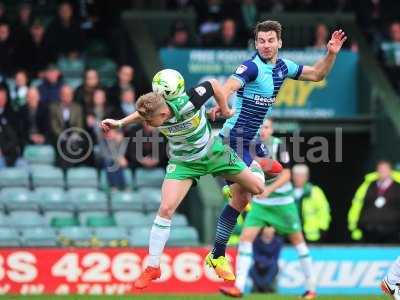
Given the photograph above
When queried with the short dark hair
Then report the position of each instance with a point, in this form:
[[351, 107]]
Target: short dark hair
[[268, 25]]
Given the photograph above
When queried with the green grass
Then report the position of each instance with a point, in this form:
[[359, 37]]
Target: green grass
[[188, 297]]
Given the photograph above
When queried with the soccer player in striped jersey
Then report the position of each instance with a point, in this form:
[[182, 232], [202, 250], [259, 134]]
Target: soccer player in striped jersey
[[194, 152], [276, 208], [257, 82], [390, 285]]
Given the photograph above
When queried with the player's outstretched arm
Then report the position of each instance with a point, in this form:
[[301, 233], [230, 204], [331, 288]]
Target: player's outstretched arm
[[322, 67], [221, 98], [230, 86], [109, 124]]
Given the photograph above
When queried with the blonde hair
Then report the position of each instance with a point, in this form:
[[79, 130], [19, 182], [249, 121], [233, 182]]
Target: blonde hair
[[149, 103]]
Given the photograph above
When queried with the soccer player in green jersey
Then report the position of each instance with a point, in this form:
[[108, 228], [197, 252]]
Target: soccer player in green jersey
[[274, 207], [194, 152]]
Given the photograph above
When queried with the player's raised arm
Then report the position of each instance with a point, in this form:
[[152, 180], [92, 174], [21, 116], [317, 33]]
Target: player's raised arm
[[221, 97], [109, 124], [322, 67]]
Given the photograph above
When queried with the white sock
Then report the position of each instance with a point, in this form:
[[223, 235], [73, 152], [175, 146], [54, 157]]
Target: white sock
[[306, 265], [159, 235], [393, 275], [243, 264]]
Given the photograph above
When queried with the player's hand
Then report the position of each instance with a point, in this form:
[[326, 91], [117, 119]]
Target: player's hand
[[336, 42], [108, 124], [267, 191], [226, 114], [214, 113]]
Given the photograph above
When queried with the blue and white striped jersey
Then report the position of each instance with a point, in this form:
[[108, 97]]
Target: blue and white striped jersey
[[260, 84]]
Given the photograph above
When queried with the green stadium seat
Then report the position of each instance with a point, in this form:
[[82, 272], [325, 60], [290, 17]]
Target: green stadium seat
[[139, 237], [131, 219], [149, 177], [3, 220], [39, 237], [84, 216], [126, 201], [183, 236], [71, 67], [87, 199], [25, 219], [62, 222], [111, 236], [47, 176], [50, 215], [39, 154], [106, 68], [82, 177], [179, 220], [75, 236], [106, 221], [151, 198], [9, 237], [53, 199], [14, 177], [18, 199], [73, 82]]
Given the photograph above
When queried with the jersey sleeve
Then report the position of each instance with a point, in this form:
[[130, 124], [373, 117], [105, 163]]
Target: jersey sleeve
[[294, 70], [283, 155], [246, 72], [199, 95]]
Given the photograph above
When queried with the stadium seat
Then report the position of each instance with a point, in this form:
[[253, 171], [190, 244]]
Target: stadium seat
[[106, 68], [47, 176], [82, 177], [75, 236], [50, 215], [139, 237], [71, 67], [9, 237], [26, 219], [61, 222], [3, 220], [126, 201], [151, 198], [128, 180], [183, 236], [111, 236], [14, 177], [149, 177], [179, 220], [39, 154], [39, 236], [87, 199], [131, 219], [53, 199], [18, 199]]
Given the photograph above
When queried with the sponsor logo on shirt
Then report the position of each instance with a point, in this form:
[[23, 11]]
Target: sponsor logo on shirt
[[181, 128], [241, 69], [200, 90], [264, 101]]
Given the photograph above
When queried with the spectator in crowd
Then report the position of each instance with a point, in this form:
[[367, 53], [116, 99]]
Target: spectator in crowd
[[114, 160], [98, 112], [147, 149], [228, 37], [3, 13], [65, 26], [34, 119], [180, 36], [50, 88], [312, 204], [18, 89], [124, 81], [266, 251], [7, 50], [6, 112], [37, 52], [127, 103], [84, 93], [9, 143], [321, 36], [23, 24], [395, 32], [374, 215]]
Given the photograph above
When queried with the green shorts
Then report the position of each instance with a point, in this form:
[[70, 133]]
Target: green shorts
[[220, 160], [284, 218]]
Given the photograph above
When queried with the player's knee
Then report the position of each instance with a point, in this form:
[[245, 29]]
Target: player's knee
[[166, 211]]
